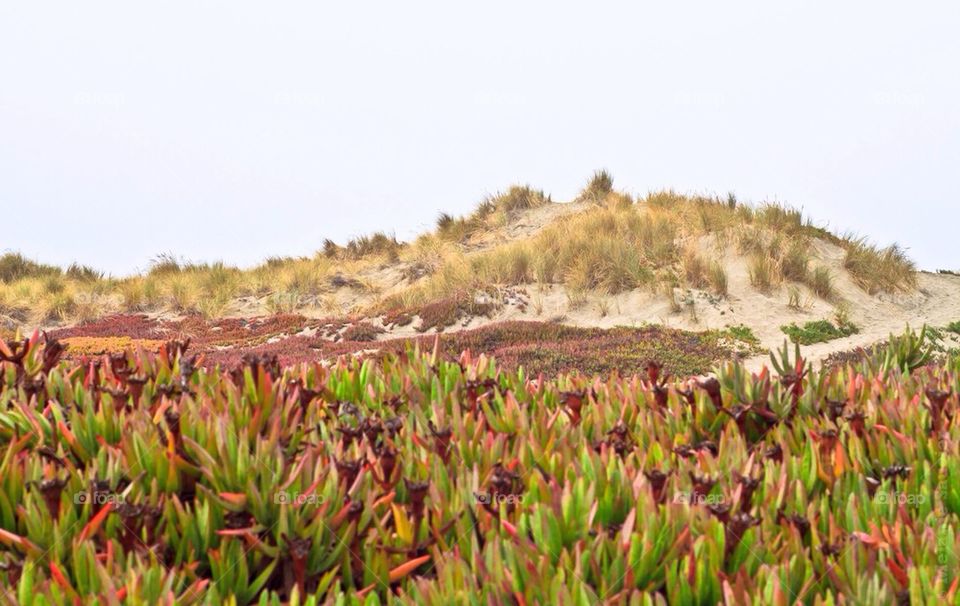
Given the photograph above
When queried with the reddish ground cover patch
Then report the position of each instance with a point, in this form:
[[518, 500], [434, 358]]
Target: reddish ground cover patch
[[554, 348], [241, 332], [537, 346], [238, 332], [134, 326], [446, 312]]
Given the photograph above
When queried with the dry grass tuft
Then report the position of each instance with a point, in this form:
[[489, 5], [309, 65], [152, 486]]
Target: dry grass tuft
[[718, 279], [795, 261], [598, 188], [492, 212], [695, 269], [794, 298], [821, 282], [763, 272], [879, 269], [376, 244], [14, 266]]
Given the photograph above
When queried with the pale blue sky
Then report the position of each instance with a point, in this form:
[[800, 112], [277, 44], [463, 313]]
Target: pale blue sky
[[237, 130]]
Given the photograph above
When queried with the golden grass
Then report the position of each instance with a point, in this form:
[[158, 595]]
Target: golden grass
[[794, 298], [614, 245], [426, 255], [785, 255], [170, 285], [700, 273], [695, 269], [879, 269], [492, 212], [14, 266], [718, 279], [794, 260], [820, 282], [376, 244], [598, 188], [764, 274], [610, 249]]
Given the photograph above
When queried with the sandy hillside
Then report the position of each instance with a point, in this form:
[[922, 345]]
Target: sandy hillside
[[935, 301], [359, 293]]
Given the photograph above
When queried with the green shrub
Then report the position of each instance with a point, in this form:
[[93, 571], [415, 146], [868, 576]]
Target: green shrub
[[744, 333], [818, 331]]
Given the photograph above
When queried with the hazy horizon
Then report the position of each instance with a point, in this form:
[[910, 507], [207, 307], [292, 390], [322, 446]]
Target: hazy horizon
[[237, 131]]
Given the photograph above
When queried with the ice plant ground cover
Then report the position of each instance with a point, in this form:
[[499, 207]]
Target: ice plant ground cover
[[546, 347], [145, 478]]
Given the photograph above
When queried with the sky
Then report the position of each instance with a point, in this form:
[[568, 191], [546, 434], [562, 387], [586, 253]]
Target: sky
[[239, 130]]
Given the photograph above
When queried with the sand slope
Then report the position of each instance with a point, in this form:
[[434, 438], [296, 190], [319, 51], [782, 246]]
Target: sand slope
[[936, 301]]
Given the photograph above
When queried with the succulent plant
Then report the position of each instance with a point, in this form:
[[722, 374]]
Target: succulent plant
[[149, 478]]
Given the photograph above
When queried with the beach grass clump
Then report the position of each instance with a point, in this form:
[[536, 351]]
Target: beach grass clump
[[876, 269], [598, 187]]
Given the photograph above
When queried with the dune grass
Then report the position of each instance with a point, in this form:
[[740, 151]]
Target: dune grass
[[876, 269], [378, 243], [763, 272], [695, 269], [611, 249], [718, 279], [820, 282], [14, 266], [795, 261], [598, 188], [613, 244], [492, 212], [785, 256]]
